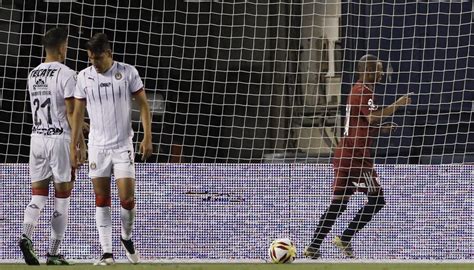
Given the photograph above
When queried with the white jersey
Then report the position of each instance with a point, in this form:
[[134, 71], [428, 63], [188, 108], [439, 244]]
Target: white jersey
[[49, 84], [108, 98]]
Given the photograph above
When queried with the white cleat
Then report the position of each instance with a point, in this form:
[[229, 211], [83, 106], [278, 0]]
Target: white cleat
[[132, 254], [106, 259]]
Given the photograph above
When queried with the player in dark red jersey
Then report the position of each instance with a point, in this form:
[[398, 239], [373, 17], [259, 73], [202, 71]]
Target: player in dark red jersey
[[353, 164]]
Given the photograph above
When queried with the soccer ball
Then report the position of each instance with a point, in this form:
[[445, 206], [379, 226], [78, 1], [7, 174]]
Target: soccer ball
[[282, 251]]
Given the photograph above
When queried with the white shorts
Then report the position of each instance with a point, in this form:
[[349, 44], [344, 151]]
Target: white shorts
[[49, 156], [119, 162]]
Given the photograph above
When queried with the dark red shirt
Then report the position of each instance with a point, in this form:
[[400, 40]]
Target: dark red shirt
[[353, 151]]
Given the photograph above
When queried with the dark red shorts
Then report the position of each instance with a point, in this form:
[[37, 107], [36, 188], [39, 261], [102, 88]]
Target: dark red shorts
[[346, 182]]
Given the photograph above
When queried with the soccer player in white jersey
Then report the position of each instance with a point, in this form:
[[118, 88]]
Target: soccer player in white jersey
[[107, 88], [51, 86]]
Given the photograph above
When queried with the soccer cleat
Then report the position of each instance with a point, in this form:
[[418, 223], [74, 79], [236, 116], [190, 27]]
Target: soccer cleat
[[56, 260], [106, 259], [29, 254], [132, 254], [345, 247], [312, 253]]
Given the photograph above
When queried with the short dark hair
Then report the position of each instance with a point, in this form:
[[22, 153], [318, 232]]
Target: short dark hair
[[366, 61], [98, 44], [54, 38]]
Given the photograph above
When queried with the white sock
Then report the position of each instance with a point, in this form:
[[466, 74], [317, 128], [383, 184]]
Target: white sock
[[32, 214], [103, 218], [59, 223], [128, 219]]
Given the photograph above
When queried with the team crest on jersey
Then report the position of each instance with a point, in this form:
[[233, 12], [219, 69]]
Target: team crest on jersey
[[118, 76], [93, 166], [372, 106]]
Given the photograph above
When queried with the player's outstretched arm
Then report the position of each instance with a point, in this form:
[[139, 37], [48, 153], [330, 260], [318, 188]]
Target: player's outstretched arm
[[375, 117], [76, 133], [146, 147]]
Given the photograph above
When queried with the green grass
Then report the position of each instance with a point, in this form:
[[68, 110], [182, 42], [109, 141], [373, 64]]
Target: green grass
[[313, 266]]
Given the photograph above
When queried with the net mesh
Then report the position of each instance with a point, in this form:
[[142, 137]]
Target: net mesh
[[253, 81]]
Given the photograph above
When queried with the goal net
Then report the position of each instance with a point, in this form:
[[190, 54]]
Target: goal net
[[256, 81], [250, 81]]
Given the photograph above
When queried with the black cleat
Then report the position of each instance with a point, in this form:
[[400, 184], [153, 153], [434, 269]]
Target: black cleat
[[56, 260], [29, 254]]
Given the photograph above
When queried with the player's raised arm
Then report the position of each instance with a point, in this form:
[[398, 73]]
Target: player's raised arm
[[376, 117], [146, 147]]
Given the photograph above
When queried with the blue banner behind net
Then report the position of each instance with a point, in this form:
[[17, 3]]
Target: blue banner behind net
[[234, 211]]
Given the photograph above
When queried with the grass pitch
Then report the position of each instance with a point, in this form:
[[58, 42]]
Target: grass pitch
[[236, 266]]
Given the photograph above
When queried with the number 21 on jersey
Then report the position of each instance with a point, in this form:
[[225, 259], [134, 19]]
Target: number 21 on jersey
[[42, 111]]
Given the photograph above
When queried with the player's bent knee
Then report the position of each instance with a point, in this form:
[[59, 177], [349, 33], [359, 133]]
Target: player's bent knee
[[63, 187], [128, 204], [338, 206], [103, 201]]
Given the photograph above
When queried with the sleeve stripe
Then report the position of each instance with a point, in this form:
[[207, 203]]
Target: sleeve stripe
[[138, 91]]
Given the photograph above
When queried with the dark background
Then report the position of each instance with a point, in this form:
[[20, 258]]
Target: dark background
[[228, 72]]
